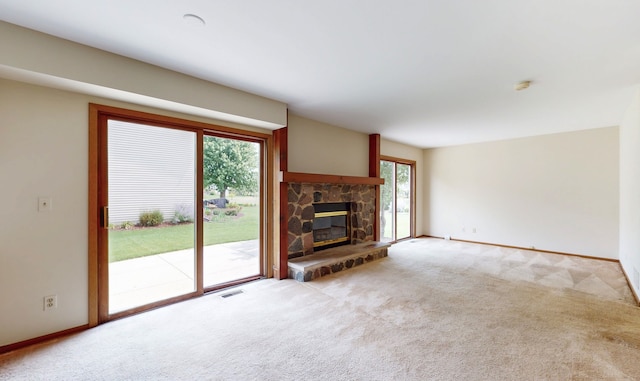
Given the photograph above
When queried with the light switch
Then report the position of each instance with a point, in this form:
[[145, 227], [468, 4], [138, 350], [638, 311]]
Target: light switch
[[44, 204]]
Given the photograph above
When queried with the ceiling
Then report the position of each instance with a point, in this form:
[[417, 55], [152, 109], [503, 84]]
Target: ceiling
[[426, 73]]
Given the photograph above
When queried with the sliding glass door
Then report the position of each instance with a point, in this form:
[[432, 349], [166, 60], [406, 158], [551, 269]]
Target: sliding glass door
[[232, 204], [151, 210], [179, 209], [397, 195]]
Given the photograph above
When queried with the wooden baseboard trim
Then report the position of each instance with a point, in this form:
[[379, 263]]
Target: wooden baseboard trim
[[42, 339], [626, 276], [529, 249], [633, 291]]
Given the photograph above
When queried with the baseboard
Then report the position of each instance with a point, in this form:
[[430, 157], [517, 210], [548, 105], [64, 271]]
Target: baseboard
[[41, 339], [633, 291], [528, 248], [626, 276]]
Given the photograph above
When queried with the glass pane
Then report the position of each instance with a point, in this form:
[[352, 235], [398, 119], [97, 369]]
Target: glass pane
[[403, 201], [151, 186], [387, 196], [231, 197]]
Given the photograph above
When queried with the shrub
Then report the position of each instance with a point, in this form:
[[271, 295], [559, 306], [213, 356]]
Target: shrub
[[153, 218], [127, 225], [217, 215], [232, 211], [183, 214]]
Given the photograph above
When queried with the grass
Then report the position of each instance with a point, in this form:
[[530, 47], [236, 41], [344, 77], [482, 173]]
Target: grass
[[128, 244], [403, 222]]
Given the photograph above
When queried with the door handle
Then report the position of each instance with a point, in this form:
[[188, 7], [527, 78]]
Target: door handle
[[105, 217]]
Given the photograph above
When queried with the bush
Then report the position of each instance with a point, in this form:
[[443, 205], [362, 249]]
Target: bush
[[232, 211], [126, 225], [217, 215], [153, 218], [183, 214]]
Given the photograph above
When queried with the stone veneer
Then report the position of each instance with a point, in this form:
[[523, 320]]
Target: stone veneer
[[336, 259], [302, 196]]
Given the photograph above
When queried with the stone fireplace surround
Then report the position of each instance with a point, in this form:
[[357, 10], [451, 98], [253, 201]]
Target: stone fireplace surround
[[298, 192], [304, 264], [302, 196]]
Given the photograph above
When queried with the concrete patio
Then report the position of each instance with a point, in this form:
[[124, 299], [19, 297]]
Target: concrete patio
[[139, 281]]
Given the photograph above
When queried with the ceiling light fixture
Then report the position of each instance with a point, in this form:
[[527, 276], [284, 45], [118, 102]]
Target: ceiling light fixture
[[194, 20], [522, 85]]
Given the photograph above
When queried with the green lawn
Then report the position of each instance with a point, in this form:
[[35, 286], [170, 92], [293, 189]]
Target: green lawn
[[403, 222], [127, 244]]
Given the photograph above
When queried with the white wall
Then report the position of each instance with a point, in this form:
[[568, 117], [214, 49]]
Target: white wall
[[555, 192], [630, 193]]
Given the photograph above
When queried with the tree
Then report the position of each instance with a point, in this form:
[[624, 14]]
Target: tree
[[230, 164], [392, 174]]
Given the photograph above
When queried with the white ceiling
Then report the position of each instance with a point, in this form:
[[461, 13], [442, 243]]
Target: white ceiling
[[424, 72]]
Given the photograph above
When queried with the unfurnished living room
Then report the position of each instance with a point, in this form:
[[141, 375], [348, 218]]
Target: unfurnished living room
[[340, 190]]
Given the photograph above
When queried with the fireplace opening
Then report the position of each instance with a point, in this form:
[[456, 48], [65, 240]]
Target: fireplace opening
[[331, 225]]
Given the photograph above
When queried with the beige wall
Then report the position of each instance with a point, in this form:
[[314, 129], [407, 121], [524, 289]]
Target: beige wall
[[554, 192], [321, 148], [630, 193], [316, 147], [36, 57], [44, 152]]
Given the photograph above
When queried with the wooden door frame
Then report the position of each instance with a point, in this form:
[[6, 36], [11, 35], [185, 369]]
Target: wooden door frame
[[98, 275], [412, 195]]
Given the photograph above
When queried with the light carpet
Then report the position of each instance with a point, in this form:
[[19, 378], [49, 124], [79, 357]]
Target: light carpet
[[432, 310]]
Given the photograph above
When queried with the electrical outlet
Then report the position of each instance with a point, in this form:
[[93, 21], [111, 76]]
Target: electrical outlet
[[50, 302], [475, 230], [636, 278]]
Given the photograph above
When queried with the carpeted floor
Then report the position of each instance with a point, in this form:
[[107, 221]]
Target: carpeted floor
[[432, 310]]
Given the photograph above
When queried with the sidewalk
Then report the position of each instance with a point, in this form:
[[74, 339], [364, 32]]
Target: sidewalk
[[148, 279]]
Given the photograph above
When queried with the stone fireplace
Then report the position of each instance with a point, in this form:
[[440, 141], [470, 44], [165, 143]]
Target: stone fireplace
[[300, 257], [305, 198]]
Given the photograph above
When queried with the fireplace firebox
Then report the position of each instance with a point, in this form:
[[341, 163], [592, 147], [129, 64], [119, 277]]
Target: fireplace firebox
[[331, 225]]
